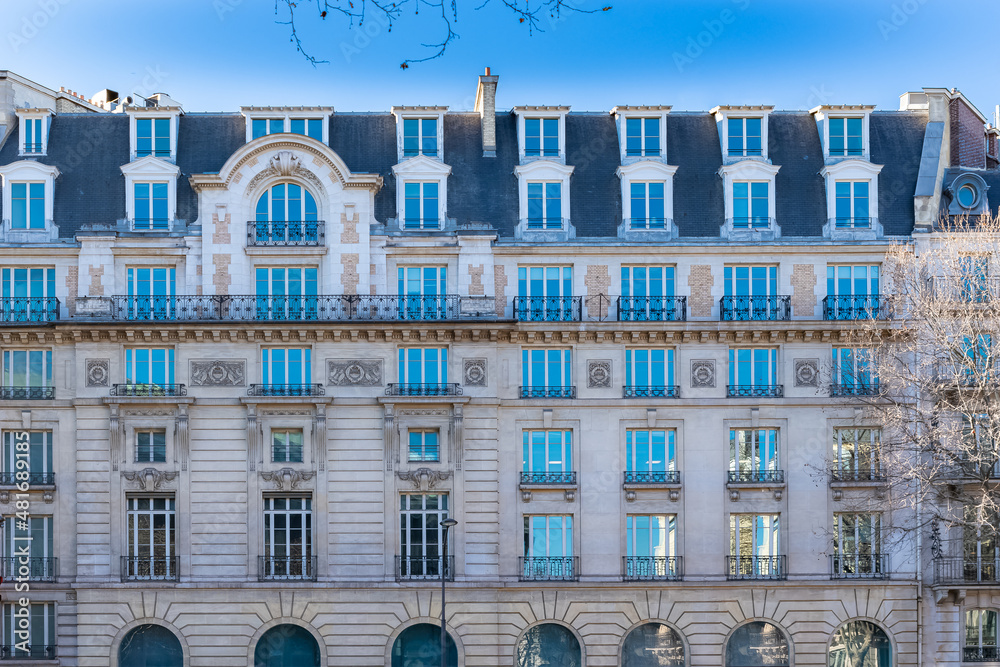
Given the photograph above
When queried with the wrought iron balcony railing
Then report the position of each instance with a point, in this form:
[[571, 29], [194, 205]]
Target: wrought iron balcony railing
[[851, 223], [755, 567], [870, 388], [27, 393], [755, 390], [33, 568], [150, 568], [866, 307], [27, 652], [651, 391], [652, 308], [548, 392], [286, 390], [752, 222], [756, 477], [652, 568], [548, 478], [547, 224], [291, 568], [18, 309], [548, 568], [424, 567], [429, 224], [745, 152], [980, 654], [755, 308], [424, 389], [859, 566], [149, 390], [949, 570], [648, 224], [652, 477], [860, 475], [547, 308], [35, 147], [32, 478], [286, 233]]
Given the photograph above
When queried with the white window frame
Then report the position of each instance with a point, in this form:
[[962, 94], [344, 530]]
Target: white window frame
[[424, 170], [565, 535], [307, 361], [668, 528], [623, 113], [670, 452], [151, 170], [170, 364], [287, 432], [851, 169], [558, 456], [543, 112], [824, 113], [170, 546], [756, 464], [648, 171], [565, 365], [669, 366], [442, 364], [749, 170], [152, 432], [773, 365], [772, 545], [851, 464], [48, 365], [33, 114], [543, 170], [724, 113], [135, 113], [29, 171], [419, 112], [286, 114], [307, 530], [422, 434]]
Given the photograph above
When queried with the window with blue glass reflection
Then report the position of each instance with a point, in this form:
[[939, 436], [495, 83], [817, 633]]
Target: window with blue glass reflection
[[744, 137], [152, 137], [541, 137], [420, 206], [750, 205], [544, 205], [647, 205], [27, 203], [846, 136], [420, 137], [286, 366]]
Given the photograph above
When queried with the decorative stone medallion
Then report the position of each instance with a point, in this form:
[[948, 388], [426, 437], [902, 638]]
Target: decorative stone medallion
[[702, 373], [807, 372], [354, 372], [98, 372], [599, 373], [218, 373], [475, 373]]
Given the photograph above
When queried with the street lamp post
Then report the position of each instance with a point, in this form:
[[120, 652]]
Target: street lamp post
[[446, 524]]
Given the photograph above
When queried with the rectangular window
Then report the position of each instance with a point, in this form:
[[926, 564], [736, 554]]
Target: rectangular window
[[544, 205], [753, 455], [857, 534], [974, 273], [286, 446], [420, 137], [651, 535], [33, 135], [852, 204], [642, 137], [853, 374], [262, 127], [421, 534], [753, 535], [151, 446], [284, 366], [546, 373], [152, 293], [650, 457], [423, 446], [27, 368], [649, 372], [745, 137], [753, 366], [751, 209], [547, 456], [845, 136], [31, 537], [40, 642], [149, 366], [422, 291], [311, 127], [548, 548], [421, 206], [150, 550], [541, 136], [288, 550], [423, 365], [647, 294], [27, 202], [852, 280], [29, 294], [647, 205], [152, 137], [33, 447], [151, 206], [751, 293], [980, 636], [980, 546], [545, 293], [856, 454], [286, 293]]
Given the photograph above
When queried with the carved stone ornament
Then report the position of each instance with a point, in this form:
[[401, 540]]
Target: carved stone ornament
[[598, 373], [807, 372], [149, 479], [475, 373], [284, 164], [424, 479], [703, 373], [354, 372], [218, 372], [98, 372], [286, 479]]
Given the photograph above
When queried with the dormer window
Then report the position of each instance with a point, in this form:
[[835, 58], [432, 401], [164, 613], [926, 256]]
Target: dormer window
[[852, 209], [852, 199], [648, 199], [647, 205], [642, 137], [152, 137], [544, 205], [310, 122], [34, 125], [27, 202], [420, 137], [751, 205], [262, 127], [750, 202], [744, 137], [28, 189], [541, 137], [843, 131], [33, 143], [642, 132], [541, 133], [310, 127], [150, 194], [845, 136], [150, 206], [421, 193], [421, 208]]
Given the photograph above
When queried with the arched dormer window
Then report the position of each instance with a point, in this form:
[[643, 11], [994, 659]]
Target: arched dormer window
[[286, 214]]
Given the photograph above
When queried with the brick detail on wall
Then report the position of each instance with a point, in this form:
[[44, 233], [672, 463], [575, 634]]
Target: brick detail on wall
[[476, 280], [597, 281], [96, 281], [72, 286], [803, 290], [350, 233], [221, 235], [500, 289], [222, 278], [968, 140], [199, 289], [350, 278], [700, 281]]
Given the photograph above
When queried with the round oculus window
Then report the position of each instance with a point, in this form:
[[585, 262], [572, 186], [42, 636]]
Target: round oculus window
[[967, 195]]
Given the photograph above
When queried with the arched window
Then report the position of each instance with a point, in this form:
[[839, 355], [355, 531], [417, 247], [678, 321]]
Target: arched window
[[861, 644], [548, 644], [286, 214], [150, 646], [286, 645], [757, 644], [420, 646], [980, 636], [653, 645]]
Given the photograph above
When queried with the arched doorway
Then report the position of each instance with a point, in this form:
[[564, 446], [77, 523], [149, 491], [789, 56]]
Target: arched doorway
[[420, 646], [548, 644], [287, 645], [757, 644], [653, 645], [860, 644], [150, 645]]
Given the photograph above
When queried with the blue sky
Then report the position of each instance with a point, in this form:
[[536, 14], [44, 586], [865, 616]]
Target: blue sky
[[693, 54]]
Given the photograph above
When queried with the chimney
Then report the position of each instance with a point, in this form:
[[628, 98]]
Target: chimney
[[968, 125], [486, 107]]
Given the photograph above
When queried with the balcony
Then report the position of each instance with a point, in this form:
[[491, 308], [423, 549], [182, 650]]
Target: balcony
[[290, 390], [547, 392], [18, 568], [740, 568], [27, 652], [150, 568], [15, 310], [27, 393], [547, 308], [980, 654], [972, 289], [548, 568], [967, 571], [286, 568], [855, 389], [651, 391], [756, 477], [869, 307], [652, 477], [555, 478], [286, 233], [755, 390], [424, 389], [652, 308], [755, 308], [652, 568], [149, 390], [851, 223], [416, 568], [847, 475], [32, 478], [859, 566]]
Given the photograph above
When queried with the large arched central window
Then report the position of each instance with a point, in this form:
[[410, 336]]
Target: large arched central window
[[420, 646], [548, 644], [286, 214], [653, 645], [757, 644], [286, 645], [150, 646], [860, 644]]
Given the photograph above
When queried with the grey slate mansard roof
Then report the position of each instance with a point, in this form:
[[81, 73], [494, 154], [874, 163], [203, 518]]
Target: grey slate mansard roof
[[89, 150]]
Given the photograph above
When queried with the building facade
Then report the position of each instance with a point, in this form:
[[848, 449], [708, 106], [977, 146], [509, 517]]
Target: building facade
[[252, 360]]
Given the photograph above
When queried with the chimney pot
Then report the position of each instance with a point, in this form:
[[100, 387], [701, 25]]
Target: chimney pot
[[487, 71]]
